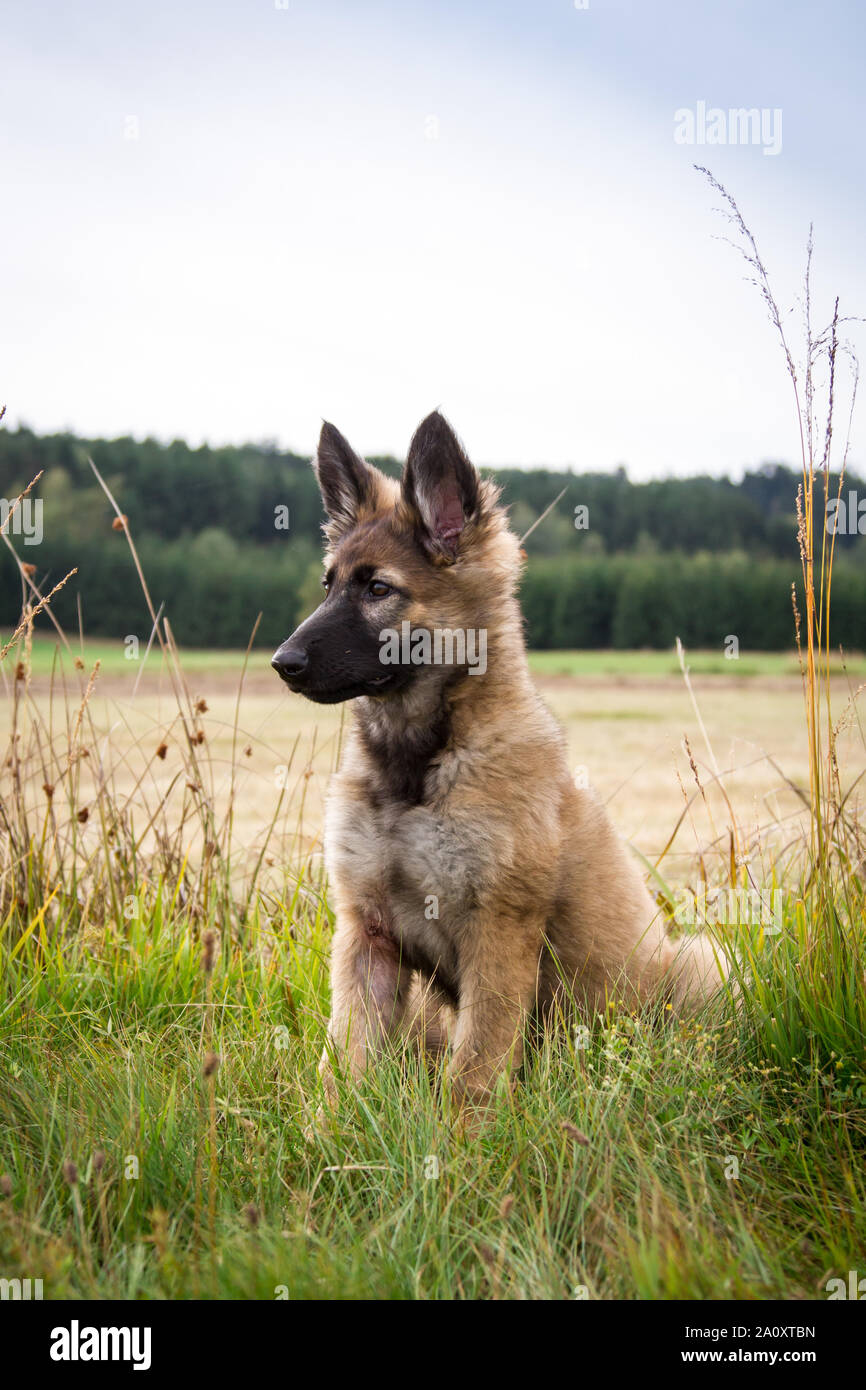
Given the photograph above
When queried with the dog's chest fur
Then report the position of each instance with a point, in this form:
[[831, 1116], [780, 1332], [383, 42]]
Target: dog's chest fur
[[410, 870]]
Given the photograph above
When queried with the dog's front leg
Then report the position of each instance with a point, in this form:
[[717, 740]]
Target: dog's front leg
[[369, 990], [498, 985]]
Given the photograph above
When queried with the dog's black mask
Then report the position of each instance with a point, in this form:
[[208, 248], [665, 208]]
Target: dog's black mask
[[334, 655]]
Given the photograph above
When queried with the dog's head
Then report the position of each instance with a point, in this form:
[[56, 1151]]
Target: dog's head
[[430, 555]]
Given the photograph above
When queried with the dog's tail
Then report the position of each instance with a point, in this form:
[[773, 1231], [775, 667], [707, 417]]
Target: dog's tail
[[697, 969]]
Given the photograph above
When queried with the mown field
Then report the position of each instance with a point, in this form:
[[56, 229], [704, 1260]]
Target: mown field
[[625, 714], [164, 950]]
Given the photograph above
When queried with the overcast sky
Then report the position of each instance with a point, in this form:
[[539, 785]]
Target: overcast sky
[[224, 220]]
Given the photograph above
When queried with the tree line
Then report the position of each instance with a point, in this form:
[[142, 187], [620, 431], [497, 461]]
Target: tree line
[[224, 533]]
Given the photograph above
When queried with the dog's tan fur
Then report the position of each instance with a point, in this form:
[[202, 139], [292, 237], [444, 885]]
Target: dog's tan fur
[[537, 899]]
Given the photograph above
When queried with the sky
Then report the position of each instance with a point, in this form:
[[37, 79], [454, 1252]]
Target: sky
[[226, 221]]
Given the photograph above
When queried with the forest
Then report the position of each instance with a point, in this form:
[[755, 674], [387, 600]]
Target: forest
[[230, 532]]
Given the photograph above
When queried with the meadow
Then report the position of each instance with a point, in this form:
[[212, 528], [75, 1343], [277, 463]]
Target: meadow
[[165, 997]]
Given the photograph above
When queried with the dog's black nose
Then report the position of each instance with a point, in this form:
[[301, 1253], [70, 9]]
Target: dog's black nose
[[290, 661]]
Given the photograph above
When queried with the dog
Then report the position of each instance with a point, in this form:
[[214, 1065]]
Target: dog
[[477, 888]]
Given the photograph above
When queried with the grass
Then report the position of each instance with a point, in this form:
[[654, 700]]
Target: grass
[[607, 1173], [641, 665], [163, 1007], [653, 665], [113, 660]]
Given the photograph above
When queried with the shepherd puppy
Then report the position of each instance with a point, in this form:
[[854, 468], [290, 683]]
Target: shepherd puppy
[[476, 887]]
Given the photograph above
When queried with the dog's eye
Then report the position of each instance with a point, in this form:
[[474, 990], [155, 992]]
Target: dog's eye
[[377, 588], [325, 585]]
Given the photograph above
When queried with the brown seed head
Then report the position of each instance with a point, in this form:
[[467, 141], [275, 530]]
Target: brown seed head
[[574, 1133], [208, 942], [210, 1064]]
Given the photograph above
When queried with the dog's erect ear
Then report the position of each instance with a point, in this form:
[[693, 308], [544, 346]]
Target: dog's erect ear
[[440, 484], [346, 482]]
